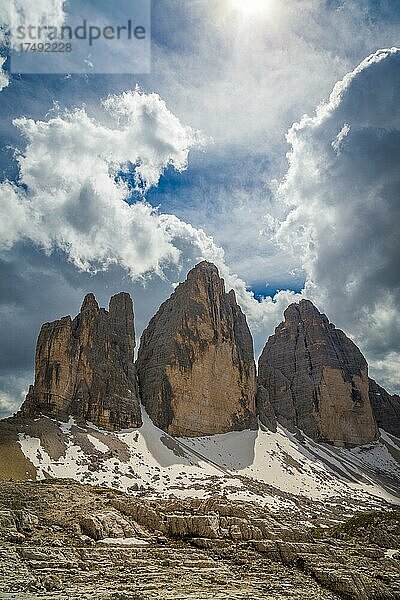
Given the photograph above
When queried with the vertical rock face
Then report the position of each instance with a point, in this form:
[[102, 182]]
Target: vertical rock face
[[386, 408], [196, 365], [84, 367], [316, 379]]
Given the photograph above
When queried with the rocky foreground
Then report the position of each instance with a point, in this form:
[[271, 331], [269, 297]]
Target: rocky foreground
[[60, 539]]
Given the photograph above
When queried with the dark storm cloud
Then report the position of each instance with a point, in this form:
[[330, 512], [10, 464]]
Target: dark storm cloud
[[344, 181]]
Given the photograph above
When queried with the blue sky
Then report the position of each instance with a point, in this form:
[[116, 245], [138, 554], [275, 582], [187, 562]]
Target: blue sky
[[240, 79]]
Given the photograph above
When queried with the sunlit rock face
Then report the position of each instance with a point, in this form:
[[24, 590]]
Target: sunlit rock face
[[316, 379], [196, 364], [85, 367]]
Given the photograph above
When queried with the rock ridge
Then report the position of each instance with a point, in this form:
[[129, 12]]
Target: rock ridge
[[196, 369], [386, 408]]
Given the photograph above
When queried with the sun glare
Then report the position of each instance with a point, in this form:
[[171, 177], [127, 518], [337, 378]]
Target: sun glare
[[250, 6]]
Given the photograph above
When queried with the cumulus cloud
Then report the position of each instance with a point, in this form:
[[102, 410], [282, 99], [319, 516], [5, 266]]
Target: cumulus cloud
[[196, 245], [339, 193], [343, 188], [14, 13], [10, 399], [205, 51], [8, 405], [70, 194], [70, 197], [302, 49]]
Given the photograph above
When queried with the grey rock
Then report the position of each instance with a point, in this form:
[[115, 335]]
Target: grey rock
[[386, 408], [108, 524], [315, 379], [235, 566]]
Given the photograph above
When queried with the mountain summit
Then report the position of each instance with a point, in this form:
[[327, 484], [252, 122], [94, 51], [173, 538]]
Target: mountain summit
[[316, 380], [196, 434], [196, 364], [85, 367]]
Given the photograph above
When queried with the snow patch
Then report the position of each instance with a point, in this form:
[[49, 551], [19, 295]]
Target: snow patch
[[98, 444], [270, 469]]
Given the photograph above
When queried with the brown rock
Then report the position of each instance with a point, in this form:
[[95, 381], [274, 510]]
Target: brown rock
[[316, 379], [196, 366], [109, 524], [386, 408], [84, 367]]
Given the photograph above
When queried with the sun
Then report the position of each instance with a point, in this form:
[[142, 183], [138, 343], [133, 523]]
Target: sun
[[250, 6]]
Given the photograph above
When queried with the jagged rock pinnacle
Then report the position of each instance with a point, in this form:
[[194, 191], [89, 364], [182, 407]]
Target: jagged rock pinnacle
[[85, 367]]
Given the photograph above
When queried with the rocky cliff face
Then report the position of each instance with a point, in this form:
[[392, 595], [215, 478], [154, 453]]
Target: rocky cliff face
[[386, 408], [195, 365], [316, 379], [84, 367]]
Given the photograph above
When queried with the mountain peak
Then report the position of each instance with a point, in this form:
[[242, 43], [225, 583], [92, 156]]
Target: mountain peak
[[316, 379], [89, 303], [85, 368], [305, 309], [196, 365], [204, 266]]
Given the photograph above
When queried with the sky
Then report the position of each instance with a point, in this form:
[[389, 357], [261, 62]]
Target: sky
[[265, 138]]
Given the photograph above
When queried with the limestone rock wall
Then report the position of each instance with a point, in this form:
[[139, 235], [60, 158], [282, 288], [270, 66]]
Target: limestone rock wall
[[386, 408], [315, 378], [195, 364], [85, 367]]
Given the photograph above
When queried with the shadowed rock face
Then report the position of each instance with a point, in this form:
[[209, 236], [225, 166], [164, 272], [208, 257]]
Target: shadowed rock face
[[196, 365], [84, 367], [386, 408], [316, 379]]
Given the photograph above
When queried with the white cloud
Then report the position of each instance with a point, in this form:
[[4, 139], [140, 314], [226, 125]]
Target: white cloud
[[343, 188], [25, 12], [340, 190], [10, 400], [195, 245], [301, 50], [4, 79], [69, 195], [248, 79], [8, 405]]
